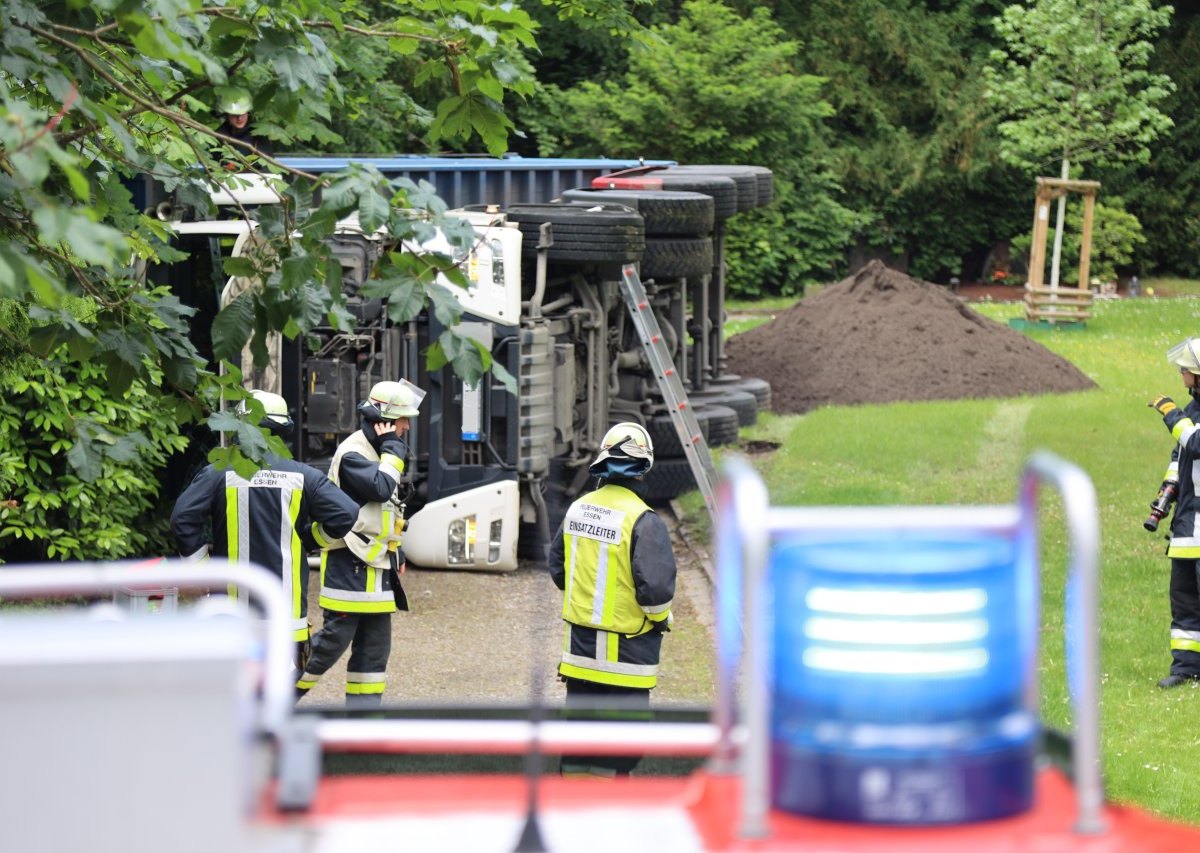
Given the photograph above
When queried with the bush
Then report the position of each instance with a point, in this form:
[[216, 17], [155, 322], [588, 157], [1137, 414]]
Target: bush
[[79, 467]]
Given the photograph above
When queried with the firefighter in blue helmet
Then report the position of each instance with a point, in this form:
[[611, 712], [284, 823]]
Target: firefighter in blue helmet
[[612, 557], [272, 519], [360, 573], [1184, 547]]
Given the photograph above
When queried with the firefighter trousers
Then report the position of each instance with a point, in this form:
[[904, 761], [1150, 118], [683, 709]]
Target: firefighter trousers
[[591, 700], [1185, 618], [369, 638]]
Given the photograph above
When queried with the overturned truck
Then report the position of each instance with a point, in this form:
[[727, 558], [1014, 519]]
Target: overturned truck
[[491, 472]]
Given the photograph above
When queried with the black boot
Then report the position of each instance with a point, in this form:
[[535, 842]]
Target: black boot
[[1175, 681]]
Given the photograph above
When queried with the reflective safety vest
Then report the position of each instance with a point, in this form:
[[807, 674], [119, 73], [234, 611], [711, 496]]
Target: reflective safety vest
[[608, 636], [373, 540], [380, 523], [242, 538], [1185, 538]]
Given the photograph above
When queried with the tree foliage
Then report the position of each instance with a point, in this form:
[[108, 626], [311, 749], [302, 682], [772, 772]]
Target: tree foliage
[[94, 94], [1073, 83], [1164, 192], [912, 144], [717, 87]]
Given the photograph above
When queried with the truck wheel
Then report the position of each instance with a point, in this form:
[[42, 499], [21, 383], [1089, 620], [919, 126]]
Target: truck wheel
[[666, 440], [722, 189], [751, 193], [597, 233], [746, 182], [760, 388], [663, 211], [742, 402], [669, 478], [677, 257], [722, 422]]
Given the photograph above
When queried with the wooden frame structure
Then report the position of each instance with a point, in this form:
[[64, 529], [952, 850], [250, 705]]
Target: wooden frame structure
[[1059, 304]]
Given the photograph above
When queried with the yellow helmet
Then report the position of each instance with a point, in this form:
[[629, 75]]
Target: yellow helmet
[[275, 411], [391, 400], [1186, 355], [234, 101], [625, 449]]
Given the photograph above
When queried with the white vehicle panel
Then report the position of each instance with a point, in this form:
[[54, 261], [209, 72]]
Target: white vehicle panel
[[426, 541]]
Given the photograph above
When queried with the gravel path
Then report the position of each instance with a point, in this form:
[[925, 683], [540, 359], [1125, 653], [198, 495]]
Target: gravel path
[[479, 638]]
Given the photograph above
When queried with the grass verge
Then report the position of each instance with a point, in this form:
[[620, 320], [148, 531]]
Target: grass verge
[[972, 452]]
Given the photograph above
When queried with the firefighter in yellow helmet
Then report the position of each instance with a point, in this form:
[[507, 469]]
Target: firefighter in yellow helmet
[[245, 516], [360, 574], [1184, 547], [612, 556]]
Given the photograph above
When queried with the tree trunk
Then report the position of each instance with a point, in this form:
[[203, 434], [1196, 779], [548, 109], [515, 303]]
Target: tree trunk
[[1058, 226]]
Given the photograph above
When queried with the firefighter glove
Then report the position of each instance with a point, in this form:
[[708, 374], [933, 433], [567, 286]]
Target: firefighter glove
[[1163, 405]]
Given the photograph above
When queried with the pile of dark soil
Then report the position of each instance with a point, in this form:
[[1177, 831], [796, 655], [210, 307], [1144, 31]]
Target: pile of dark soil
[[880, 336]]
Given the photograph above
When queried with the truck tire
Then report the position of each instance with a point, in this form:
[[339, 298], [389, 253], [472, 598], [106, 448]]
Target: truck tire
[[669, 478], [742, 402], [666, 440], [677, 257], [722, 189], [604, 233], [722, 422], [760, 388], [765, 181], [664, 211], [745, 180]]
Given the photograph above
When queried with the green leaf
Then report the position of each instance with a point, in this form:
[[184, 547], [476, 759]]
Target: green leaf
[[373, 210], [505, 378], [446, 307], [466, 355], [232, 327], [239, 266], [12, 274], [120, 374], [85, 458]]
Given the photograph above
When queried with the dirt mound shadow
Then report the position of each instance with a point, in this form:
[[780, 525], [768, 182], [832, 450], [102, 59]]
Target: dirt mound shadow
[[880, 336]]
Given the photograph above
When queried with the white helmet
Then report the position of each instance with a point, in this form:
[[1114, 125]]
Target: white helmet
[[391, 400], [625, 441], [275, 410], [1186, 355]]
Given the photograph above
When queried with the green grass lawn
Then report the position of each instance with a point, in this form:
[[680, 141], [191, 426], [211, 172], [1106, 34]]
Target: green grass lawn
[[972, 452]]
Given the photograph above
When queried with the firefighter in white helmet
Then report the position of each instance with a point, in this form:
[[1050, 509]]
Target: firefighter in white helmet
[[284, 494], [612, 556], [360, 574], [1184, 547]]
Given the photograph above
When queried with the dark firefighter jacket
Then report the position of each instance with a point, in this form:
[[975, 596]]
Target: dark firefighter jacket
[[269, 519], [1185, 460], [612, 558], [356, 570]]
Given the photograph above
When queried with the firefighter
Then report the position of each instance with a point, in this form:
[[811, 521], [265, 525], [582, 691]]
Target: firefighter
[[612, 554], [360, 574], [235, 105], [271, 519], [1184, 547]]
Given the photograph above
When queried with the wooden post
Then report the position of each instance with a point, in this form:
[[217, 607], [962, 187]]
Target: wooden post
[[1085, 242], [1037, 252]]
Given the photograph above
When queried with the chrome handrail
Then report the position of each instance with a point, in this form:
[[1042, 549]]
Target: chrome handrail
[[41, 580]]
